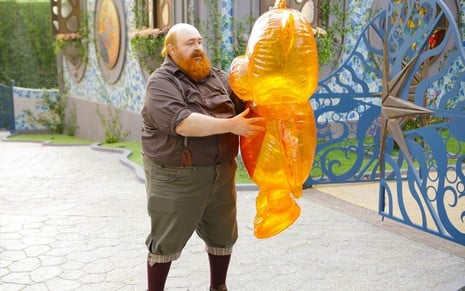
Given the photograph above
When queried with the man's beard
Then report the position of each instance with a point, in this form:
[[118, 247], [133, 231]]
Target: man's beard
[[196, 69]]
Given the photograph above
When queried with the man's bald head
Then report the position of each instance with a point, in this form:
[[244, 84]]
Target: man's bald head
[[176, 33], [183, 43]]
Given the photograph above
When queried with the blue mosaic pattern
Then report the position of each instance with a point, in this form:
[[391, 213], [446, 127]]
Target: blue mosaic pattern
[[227, 29], [33, 97], [359, 13], [462, 17]]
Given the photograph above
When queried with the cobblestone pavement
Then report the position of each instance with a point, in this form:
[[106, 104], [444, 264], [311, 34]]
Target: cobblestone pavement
[[74, 218]]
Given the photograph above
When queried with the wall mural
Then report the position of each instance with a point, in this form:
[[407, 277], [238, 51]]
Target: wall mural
[[110, 38]]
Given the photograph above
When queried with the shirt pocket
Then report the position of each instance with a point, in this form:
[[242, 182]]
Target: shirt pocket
[[220, 105]]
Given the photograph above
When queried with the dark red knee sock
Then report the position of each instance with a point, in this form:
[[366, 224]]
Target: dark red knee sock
[[218, 269], [156, 276]]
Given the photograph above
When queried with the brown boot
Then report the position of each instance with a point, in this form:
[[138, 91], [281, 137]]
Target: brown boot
[[220, 288]]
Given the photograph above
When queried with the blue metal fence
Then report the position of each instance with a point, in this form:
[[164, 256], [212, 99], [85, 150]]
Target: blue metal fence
[[7, 118]]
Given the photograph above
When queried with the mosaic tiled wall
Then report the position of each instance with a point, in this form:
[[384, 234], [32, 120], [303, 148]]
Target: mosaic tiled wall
[[227, 26], [31, 100], [462, 17]]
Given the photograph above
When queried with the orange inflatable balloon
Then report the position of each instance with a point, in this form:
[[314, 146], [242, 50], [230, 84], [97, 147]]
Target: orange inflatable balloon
[[277, 75]]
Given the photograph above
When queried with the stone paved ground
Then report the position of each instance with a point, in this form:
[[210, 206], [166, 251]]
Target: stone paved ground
[[73, 218]]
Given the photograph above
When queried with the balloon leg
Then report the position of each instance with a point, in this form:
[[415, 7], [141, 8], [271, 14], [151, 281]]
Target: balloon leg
[[276, 211]]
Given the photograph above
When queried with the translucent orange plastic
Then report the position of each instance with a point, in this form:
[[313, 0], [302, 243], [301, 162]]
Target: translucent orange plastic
[[277, 75]]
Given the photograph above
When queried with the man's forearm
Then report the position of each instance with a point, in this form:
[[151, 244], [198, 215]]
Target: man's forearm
[[203, 125]]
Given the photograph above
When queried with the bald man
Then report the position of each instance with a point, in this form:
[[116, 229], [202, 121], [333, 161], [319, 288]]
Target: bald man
[[191, 124]]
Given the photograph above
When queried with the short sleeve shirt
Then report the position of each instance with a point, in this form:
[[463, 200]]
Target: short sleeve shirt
[[171, 96]]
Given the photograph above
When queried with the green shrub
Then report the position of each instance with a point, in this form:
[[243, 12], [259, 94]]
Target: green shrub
[[114, 130], [26, 43]]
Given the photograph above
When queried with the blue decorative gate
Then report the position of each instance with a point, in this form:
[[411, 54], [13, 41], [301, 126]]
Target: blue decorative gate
[[407, 131], [347, 110], [432, 198], [7, 117]]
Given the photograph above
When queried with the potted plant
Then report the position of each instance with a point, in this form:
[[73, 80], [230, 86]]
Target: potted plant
[[71, 46], [147, 44]]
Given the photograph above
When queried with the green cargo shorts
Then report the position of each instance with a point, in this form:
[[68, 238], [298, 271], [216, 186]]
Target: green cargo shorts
[[183, 200]]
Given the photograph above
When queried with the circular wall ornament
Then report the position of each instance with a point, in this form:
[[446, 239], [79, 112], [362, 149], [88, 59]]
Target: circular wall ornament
[[110, 38], [67, 23], [76, 66]]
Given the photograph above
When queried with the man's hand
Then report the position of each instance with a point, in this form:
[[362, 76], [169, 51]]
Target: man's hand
[[246, 126]]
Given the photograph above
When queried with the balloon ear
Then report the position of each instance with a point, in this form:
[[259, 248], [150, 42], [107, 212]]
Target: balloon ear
[[239, 78], [287, 34]]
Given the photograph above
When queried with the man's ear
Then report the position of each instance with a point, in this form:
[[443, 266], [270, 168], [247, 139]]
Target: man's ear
[[171, 50]]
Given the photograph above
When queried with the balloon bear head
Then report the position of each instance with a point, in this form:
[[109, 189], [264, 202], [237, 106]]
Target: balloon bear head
[[281, 60]]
